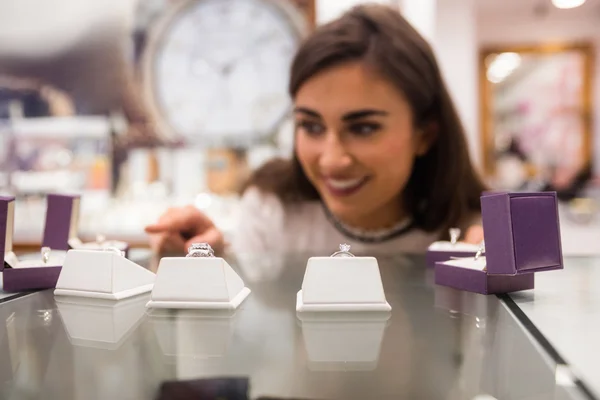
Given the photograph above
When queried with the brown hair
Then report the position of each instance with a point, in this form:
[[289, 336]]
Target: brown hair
[[443, 189]]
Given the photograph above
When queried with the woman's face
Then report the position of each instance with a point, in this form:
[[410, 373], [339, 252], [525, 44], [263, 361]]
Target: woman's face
[[356, 143]]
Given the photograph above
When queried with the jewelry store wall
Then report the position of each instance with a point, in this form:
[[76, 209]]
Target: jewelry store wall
[[98, 106]]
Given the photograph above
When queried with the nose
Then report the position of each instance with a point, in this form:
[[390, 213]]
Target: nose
[[334, 156]]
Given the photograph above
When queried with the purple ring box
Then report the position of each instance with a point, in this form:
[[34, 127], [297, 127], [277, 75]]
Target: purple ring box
[[57, 233], [522, 237], [20, 278]]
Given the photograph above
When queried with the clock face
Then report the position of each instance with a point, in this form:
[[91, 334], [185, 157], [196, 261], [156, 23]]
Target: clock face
[[220, 68]]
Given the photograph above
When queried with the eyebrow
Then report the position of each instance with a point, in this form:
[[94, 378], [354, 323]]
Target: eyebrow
[[353, 115], [362, 114]]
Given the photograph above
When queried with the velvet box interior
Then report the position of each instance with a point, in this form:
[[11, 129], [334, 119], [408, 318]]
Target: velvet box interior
[[443, 251]]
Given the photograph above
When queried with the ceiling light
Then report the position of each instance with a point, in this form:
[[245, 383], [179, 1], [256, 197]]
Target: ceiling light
[[502, 66], [564, 4]]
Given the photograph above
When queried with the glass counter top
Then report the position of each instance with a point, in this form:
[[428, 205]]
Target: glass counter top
[[437, 343]]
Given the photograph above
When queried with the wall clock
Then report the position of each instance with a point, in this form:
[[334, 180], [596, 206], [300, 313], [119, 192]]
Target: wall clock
[[216, 71]]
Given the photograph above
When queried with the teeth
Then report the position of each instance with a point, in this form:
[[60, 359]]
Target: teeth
[[345, 183]]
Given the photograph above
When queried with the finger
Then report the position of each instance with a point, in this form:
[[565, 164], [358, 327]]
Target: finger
[[156, 242], [161, 243], [157, 228], [196, 220], [174, 243], [166, 222], [474, 234], [185, 219]]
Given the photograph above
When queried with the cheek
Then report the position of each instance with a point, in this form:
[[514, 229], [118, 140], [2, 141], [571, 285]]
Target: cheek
[[307, 152], [391, 160]]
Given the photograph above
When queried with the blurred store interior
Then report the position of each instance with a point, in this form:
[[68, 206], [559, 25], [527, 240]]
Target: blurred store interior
[[140, 105]]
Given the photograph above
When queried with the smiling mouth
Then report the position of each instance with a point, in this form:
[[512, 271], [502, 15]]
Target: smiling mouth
[[345, 187]]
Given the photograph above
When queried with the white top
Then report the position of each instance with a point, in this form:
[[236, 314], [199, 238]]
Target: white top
[[266, 225]]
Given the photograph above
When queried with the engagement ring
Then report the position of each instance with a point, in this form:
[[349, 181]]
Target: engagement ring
[[200, 250], [343, 252], [454, 235], [480, 251], [45, 254]]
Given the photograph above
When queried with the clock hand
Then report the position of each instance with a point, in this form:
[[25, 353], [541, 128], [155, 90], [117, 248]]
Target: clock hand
[[250, 49]]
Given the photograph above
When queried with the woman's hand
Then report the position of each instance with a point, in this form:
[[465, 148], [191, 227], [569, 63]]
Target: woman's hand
[[474, 234], [179, 227]]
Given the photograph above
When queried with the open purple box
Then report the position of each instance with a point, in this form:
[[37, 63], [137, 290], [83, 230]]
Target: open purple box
[[31, 274], [522, 237]]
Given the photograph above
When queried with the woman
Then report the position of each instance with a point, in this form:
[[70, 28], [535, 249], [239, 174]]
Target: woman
[[380, 161]]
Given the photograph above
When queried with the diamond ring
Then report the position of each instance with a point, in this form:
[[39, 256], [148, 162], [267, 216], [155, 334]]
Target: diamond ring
[[480, 251], [45, 254], [343, 252], [454, 235], [200, 250]]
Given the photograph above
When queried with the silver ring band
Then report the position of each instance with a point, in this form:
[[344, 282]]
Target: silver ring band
[[454, 235], [200, 250], [343, 252], [480, 251], [45, 252]]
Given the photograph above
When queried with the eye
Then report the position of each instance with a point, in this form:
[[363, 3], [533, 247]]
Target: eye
[[311, 128], [364, 128]]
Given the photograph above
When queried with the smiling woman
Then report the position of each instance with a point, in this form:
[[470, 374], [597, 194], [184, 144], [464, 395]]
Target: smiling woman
[[361, 155], [380, 159]]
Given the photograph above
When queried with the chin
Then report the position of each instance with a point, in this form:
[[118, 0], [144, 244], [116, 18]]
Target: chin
[[345, 211]]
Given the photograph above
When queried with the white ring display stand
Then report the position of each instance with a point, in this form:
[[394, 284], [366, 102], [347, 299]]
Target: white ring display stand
[[102, 275], [342, 284], [200, 283]]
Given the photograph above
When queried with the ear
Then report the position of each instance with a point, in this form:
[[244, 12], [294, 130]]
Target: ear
[[425, 138]]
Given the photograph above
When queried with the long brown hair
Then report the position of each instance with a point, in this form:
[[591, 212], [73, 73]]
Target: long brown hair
[[443, 189]]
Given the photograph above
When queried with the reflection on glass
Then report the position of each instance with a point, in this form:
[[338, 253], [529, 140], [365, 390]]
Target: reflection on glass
[[193, 339], [348, 341], [99, 323]]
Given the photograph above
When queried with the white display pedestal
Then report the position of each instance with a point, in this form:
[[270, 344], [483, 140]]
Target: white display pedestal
[[197, 283], [348, 341], [103, 324], [342, 284], [102, 275]]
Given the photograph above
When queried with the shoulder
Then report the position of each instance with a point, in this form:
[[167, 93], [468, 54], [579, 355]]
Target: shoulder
[[254, 195], [265, 223], [263, 203], [257, 202]]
